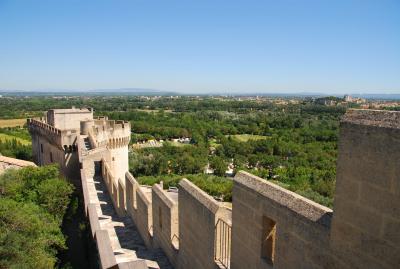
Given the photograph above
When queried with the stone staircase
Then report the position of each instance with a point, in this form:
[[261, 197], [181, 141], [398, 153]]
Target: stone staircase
[[87, 143]]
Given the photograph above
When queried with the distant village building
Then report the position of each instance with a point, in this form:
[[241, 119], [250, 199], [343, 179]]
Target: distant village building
[[148, 144], [208, 169], [327, 101], [348, 98]]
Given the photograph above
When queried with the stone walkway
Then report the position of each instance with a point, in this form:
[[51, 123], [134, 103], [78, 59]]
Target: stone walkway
[[126, 241]]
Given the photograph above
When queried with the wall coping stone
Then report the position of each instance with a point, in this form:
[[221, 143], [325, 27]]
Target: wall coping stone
[[106, 254], [93, 218], [14, 161], [131, 178], [293, 201], [122, 183], [138, 264], [377, 118], [200, 195], [86, 197], [145, 197], [163, 196]]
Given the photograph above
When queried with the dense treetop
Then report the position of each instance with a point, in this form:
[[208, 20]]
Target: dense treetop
[[33, 201], [294, 144]]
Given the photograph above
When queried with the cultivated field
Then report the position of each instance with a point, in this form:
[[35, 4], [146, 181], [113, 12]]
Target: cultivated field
[[247, 137], [12, 123], [4, 137]]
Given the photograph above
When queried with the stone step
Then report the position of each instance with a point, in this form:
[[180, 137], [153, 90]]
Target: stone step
[[125, 255]]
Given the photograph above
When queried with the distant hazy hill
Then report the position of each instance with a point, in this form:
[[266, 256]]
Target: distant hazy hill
[[378, 96], [124, 91], [154, 92]]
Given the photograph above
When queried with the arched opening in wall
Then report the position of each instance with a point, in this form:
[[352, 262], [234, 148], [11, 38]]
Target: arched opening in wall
[[65, 148], [268, 240], [51, 156], [41, 148]]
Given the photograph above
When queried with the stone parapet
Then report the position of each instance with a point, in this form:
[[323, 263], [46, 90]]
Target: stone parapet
[[173, 221], [131, 189], [285, 198], [115, 189], [51, 134], [63, 139], [118, 142], [273, 227], [40, 124], [378, 118], [144, 218], [11, 163], [110, 133], [165, 222]]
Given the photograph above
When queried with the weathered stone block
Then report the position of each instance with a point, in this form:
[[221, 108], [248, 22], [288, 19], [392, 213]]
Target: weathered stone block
[[348, 189], [363, 218], [380, 200], [391, 231]]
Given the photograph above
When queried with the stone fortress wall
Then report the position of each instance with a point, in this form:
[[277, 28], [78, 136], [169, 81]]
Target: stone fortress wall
[[267, 226], [52, 145]]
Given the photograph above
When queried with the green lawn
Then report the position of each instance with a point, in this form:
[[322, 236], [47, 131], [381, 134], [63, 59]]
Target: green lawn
[[4, 137], [176, 144], [247, 137], [153, 110], [213, 143]]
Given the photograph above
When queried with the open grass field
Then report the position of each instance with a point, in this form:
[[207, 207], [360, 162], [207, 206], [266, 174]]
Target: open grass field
[[4, 137], [153, 110], [177, 144], [12, 123], [213, 143], [247, 137]]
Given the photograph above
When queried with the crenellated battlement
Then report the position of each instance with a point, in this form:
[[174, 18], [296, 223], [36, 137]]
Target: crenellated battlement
[[109, 133], [50, 133], [266, 227], [118, 142], [43, 125], [63, 139]]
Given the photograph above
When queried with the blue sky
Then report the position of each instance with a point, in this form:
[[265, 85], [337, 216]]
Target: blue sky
[[201, 46]]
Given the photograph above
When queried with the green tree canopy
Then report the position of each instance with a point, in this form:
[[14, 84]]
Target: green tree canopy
[[33, 201]]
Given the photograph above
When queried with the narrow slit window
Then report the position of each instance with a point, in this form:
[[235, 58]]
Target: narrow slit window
[[51, 157], [159, 217], [268, 240]]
